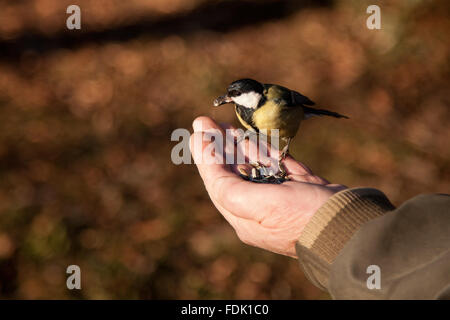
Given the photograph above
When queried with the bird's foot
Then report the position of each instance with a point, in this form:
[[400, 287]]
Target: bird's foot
[[262, 174], [281, 169]]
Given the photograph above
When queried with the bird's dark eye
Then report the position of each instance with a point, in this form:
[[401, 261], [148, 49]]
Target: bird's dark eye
[[233, 93]]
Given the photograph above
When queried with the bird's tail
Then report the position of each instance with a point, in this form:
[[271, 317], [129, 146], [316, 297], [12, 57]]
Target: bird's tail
[[310, 112]]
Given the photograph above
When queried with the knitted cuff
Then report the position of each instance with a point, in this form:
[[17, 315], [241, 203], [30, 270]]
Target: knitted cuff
[[333, 225]]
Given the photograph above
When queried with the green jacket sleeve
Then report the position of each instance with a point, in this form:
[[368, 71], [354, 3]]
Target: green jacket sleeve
[[358, 246]]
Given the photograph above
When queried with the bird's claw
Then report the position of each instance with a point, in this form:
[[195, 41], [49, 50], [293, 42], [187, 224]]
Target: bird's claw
[[262, 174]]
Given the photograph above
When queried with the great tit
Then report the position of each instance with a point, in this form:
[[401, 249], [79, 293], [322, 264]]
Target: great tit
[[269, 106]]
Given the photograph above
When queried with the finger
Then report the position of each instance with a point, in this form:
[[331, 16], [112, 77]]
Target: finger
[[250, 149], [251, 152], [308, 178], [245, 229], [242, 198], [233, 220], [297, 170], [242, 169], [253, 233], [226, 126], [294, 167], [246, 199], [255, 149], [202, 124], [199, 144]]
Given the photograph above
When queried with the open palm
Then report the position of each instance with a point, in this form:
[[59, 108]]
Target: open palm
[[269, 216]]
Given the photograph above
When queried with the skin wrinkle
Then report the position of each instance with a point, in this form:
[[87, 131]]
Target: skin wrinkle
[[232, 220], [281, 236], [246, 236], [235, 222], [217, 185], [288, 223], [222, 193], [267, 223]]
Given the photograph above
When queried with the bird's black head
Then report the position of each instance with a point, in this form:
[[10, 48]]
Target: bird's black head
[[241, 86], [244, 92]]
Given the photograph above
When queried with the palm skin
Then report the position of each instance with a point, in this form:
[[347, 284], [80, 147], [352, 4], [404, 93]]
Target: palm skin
[[269, 216]]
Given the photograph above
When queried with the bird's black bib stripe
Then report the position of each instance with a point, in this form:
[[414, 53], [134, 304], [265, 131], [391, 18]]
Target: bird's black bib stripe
[[247, 115]]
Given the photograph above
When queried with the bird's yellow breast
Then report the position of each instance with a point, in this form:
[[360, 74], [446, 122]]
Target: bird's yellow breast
[[275, 116]]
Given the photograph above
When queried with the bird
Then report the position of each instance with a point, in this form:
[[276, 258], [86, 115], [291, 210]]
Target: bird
[[265, 107]]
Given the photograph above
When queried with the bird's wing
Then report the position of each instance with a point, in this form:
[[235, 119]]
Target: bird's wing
[[299, 99], [285, 96], [310, 112]]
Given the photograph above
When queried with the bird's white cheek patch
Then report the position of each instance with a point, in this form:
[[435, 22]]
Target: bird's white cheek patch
[[249, 100]]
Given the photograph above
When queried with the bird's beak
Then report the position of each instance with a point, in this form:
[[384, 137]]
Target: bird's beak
[[222, 100]]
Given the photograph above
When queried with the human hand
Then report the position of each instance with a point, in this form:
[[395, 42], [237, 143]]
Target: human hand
[[269, 216]]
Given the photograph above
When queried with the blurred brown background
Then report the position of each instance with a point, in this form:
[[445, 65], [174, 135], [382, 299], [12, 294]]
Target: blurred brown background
[[86, 118]]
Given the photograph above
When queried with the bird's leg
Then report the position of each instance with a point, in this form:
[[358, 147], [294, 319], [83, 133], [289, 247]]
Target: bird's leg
[[281, 169], [259, 172], [256, 164], [285, 150], [283, 156]]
